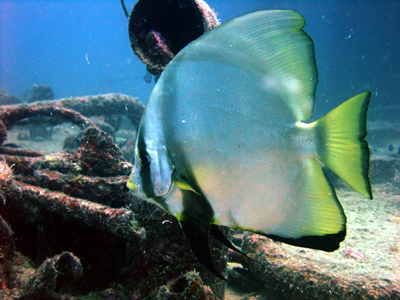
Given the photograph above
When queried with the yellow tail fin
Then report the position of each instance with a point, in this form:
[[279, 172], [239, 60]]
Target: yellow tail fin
[[342, 147]]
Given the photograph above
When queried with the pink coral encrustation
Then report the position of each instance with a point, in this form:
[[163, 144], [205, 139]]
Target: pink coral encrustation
[[354, 254]]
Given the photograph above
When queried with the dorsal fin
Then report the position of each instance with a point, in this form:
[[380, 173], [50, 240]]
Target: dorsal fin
[[269, 44]]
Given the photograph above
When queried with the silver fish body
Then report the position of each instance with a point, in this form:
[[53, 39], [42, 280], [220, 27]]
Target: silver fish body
[[227, 141]]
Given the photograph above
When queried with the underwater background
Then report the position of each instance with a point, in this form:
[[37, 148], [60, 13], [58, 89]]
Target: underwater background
[[82, 47], [69, 229]]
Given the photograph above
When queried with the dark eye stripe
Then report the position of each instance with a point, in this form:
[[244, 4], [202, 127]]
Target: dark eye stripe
[[141, 143], [145, 173], [147, 184]]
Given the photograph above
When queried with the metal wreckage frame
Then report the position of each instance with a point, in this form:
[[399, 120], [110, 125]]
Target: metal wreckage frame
[[68, 225], [78, 201]]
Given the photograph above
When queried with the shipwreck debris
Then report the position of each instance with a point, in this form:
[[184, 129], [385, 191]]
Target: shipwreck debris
[[100, 156], [91, 106], [272, 265], [188, 286], [7, 99], [39, 93], [41, 283], [159, 29], [3, 132], [77, 201]]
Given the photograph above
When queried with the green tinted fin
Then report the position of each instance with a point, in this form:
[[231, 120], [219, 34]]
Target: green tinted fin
[[342, 147], [320, 220], [269, 44], [183, 184]]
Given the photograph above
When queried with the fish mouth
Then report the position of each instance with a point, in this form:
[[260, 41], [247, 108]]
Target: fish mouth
[[133, 187]]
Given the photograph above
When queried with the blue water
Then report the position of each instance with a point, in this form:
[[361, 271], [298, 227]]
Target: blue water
[[82, 47]]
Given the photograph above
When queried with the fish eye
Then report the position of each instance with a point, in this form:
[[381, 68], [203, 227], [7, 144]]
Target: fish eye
[[144, 159]]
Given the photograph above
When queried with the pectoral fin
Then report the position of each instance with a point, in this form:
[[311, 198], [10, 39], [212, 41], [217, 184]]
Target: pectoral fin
[[183, 184]]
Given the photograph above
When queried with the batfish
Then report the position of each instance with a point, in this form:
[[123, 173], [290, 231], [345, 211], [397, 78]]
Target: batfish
[[224, 139]]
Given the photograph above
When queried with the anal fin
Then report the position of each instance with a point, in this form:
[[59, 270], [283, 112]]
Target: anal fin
[[219, 236], [197, 233]]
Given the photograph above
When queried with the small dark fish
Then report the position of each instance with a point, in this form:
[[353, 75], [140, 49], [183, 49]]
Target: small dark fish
[[78, 138], [148, 77], [120, 142], [390, 148], [71, 143]]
